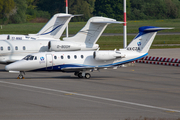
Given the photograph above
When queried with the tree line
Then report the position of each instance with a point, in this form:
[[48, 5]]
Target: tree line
[[20, 11]]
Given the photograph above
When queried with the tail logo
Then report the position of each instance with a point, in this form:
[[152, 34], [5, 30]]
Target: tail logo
[[139, 43]]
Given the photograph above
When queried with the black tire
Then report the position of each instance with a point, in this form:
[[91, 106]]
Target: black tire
[[20, 76], [87, 75], [80, 75], [76, 73]]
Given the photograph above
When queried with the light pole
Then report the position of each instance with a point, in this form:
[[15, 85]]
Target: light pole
[[125, 31], [67, 13]]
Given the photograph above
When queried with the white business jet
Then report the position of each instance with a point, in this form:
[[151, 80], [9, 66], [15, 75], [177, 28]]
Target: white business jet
[[52, 30], [81, 61], [85, 39]]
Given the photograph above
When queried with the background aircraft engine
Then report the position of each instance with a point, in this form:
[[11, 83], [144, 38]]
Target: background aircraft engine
[[62, 46], [106, 55]]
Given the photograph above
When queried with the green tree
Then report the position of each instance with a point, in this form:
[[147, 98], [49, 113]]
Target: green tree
[[155, 9], [7, 8], [52, 6], [111, 8], [20, 16], [81, 7], [33, 12]]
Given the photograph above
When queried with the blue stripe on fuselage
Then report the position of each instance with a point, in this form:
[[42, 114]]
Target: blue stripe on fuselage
[[59, 67]]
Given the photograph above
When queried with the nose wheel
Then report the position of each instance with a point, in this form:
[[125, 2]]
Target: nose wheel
[[21, 75]]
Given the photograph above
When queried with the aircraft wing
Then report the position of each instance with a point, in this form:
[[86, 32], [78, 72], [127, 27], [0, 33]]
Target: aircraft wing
[[72, 69], [76, 68], [116, 22]]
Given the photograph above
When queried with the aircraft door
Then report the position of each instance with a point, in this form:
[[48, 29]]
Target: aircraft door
[[49, 62]]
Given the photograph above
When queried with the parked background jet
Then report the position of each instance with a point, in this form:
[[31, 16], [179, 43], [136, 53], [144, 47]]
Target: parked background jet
[[85, 39], [52, 30], [81, 61]]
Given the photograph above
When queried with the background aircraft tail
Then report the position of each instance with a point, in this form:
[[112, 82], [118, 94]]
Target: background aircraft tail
[[55, 26], [142, 42], [91, 32]]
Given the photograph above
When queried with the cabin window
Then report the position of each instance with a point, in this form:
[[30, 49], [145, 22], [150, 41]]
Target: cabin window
[[68, 56], [2, 48], [82, 56], [35, 58], [75, 56], [24, 48], [55, 57], [16, 48], [9, 48], [62, 57]]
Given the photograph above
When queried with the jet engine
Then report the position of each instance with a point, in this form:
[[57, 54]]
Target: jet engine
[[107, 55], [62, 46]]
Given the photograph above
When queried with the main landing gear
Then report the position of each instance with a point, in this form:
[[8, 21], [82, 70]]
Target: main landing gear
[[83, 74], [21, 75]]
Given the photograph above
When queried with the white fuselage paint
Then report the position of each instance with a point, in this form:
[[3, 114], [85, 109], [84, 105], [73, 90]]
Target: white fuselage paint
[[13, 50], [71, 60]]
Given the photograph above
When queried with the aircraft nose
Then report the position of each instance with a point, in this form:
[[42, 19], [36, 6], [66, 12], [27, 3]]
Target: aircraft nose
[[10, 67], [7, 68]]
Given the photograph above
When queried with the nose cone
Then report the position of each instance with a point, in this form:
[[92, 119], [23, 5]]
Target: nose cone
[[12, 67], [9, 67]]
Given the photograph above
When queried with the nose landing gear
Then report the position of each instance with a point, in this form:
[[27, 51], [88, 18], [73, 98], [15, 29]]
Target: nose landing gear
[[21, 75]]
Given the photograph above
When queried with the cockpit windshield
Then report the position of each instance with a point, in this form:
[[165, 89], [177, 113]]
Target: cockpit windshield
[[30, 57]]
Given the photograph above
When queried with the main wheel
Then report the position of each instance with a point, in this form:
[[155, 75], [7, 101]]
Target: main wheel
[[76, 73], [87, 75], [80, 75]]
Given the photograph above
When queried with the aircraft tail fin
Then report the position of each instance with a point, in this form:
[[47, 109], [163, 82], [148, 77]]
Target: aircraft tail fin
[[91, 32], [143, 41], [55, 26]]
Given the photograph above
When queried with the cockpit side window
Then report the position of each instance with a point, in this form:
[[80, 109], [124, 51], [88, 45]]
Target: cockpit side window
[[26, 58], [31, 58]]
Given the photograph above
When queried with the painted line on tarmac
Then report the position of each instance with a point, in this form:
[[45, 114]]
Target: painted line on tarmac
[[90, 96]]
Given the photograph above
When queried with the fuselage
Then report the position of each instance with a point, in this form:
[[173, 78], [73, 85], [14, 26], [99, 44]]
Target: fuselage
[[13, 50], [69, 61]]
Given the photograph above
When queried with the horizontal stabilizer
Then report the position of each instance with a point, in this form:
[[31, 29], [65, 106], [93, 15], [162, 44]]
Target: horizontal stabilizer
[[115, 22], [69, 15], [151, 29]]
